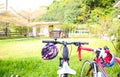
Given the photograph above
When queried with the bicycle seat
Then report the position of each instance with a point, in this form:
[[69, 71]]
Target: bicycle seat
[[66, 70]]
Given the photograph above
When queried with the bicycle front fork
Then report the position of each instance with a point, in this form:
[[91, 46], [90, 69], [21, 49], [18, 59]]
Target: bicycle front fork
[[61, 65], [61, 62]]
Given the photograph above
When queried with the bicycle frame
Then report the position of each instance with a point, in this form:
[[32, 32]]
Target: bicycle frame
[[96, 59], [65, 69]]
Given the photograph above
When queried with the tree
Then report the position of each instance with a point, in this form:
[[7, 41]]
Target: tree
[[84, 14], [22, 18], [64, 11], [115, 25], [99, 3], [75, 11], [82, 11], [68, 28]]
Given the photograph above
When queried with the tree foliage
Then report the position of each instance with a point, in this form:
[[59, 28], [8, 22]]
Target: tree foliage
[[76, 11], [64, 11], [99, 13], [99, 3], [19, 20]]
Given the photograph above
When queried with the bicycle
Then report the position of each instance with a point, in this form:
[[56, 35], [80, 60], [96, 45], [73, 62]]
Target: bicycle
[[95, 68], [50, 52]]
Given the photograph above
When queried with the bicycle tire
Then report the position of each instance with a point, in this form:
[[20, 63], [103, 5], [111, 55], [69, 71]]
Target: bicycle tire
[[89, 69], [118, 74], [64, 75], [67, 75]]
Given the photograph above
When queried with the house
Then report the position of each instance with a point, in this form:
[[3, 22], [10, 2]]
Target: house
[[44, 28]]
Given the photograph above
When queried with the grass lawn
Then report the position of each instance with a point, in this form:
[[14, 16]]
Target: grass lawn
[[23, 57]]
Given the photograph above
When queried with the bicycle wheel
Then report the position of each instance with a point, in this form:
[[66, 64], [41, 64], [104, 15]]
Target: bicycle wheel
[[89, 69], [118, 74], [65, 75]]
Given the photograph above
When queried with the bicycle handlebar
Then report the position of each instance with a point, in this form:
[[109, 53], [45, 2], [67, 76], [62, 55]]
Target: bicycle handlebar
[[45, 41], [99, 51], [80, 43], [58, 42], [67, 43]]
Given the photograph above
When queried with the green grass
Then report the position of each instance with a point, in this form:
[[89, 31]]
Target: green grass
[[23, 57]]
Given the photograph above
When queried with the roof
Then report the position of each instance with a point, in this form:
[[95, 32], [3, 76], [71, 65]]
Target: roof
[[45, 23]]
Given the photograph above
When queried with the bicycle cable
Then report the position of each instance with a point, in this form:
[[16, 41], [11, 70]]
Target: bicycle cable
[[70, 50], [61, 49]]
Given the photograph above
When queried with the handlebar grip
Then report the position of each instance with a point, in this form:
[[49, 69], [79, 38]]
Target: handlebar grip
[[84, 43], [48, 41], [54, 42], [80, 43]]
